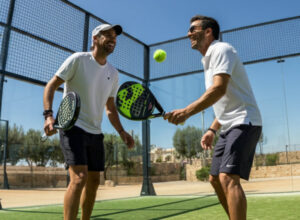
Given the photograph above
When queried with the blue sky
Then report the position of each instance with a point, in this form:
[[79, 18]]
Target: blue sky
[[159, 20]]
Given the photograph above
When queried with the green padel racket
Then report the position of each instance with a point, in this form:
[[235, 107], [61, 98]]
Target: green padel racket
[[136, 102], [67, 113]]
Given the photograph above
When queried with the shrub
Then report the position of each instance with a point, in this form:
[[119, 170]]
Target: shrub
[[158, 160], [182, 172], [168, 158], [203, 173], [129, 166], [272, 159], [152, 171]]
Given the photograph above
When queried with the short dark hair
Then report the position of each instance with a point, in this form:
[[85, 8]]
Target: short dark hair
[[208, 22]]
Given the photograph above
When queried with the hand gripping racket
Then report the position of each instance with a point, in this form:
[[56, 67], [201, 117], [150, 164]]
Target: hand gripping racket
[[136, 102], [67, 113]]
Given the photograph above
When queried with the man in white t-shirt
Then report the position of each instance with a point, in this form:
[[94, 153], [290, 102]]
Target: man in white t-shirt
[[237, 116], [96, 82]]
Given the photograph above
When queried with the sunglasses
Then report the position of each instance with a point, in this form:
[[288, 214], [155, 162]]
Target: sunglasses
[[192, 28]]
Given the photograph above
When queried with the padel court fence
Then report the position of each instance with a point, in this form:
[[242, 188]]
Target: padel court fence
[[36, 36]]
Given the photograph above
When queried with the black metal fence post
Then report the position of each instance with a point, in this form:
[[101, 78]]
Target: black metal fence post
[[147, 188], [4, 48], [4, 144]]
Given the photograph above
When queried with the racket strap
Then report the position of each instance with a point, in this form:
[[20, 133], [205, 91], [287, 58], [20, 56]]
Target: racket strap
[[159, 108]]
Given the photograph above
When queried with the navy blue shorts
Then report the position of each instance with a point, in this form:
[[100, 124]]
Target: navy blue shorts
[[235, 150], [82, 148]]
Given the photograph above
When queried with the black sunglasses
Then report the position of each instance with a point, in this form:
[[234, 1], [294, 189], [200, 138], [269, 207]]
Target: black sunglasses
[[192, 28]]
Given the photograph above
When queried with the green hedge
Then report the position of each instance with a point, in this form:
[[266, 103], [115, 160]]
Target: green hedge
[[203, 173]]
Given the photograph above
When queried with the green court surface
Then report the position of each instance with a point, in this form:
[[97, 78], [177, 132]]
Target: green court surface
[[264, 207]]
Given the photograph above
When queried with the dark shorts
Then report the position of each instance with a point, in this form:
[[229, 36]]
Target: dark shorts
[[82, 148], [235, 150]]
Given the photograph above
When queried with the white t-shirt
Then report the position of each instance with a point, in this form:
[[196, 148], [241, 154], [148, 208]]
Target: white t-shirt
[[238, 105], [94, 83]]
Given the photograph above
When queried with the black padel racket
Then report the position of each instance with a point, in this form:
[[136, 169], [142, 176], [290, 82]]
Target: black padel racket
[[136, 102], [67, 113]]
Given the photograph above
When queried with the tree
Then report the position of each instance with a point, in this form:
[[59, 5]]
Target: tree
[[55, 154], [260, 159], [16, 135], [262, 140], [116, 151], [272, 159], [187, 142], [33, 150], [159, 160], [168, 158], [109, 141], [29, 147], [129, 158], [16, 138]]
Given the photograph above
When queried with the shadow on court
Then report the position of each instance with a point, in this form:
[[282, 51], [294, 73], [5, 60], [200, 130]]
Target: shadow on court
[[32, 212], [158, 211], [146, 208]]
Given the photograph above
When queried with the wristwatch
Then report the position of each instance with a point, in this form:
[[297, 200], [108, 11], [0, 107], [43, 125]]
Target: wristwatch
[[47, 113], [213, 130]]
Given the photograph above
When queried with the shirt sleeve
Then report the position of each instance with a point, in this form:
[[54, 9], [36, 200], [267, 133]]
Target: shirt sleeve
[[115, 86], [67, 70], [224, 60]]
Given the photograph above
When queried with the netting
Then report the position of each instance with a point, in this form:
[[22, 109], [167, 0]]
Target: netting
[[4, 5], [32, 58], [266, 41], [254, 44], [1, 39], [44, 33], [51, 20], [128, 55], [180, 59]]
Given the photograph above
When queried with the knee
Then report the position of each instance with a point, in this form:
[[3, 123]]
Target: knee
[[79, 181], [229, 180], [214, 181]]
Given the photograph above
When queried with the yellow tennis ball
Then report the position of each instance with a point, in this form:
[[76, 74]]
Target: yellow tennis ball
[[159, 55]]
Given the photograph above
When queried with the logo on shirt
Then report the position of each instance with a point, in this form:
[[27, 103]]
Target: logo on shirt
[[229, 165], [108, 75]]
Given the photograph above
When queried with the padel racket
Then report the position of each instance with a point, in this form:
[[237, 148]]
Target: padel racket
[[136, 102], [67, 113]]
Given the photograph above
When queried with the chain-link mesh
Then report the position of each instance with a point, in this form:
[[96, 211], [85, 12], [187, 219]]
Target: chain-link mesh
[[92, 24], [33, 59], [1, 39], [180, 59], [52, 20], [128, 55], [4, 6], [63, 25], [53, 24], [266, 41], [256, 43]]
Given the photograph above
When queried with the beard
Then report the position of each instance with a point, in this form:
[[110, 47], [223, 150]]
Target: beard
[[199, 39], [108, 49]]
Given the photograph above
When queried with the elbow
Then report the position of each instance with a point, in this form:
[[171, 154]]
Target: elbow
[[109, 111], [223, 91]]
